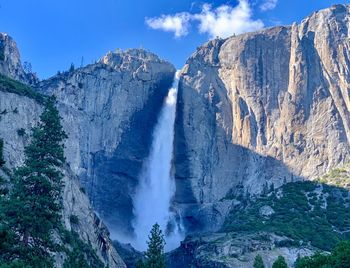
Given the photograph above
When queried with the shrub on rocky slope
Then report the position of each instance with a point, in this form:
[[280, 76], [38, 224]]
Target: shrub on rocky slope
[[307, 212]]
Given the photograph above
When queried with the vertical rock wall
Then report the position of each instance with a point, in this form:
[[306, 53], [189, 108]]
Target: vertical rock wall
[[259, 109], [109, 109]]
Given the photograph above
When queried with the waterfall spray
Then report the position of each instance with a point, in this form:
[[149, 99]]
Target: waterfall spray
[[152, 201]]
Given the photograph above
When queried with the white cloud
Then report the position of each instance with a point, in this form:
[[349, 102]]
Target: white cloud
[[268, 5], [222, 21], [225, 20], [177, 23]]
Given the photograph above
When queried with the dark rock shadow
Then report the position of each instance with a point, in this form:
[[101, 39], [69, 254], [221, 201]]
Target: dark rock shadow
[[116, 176]]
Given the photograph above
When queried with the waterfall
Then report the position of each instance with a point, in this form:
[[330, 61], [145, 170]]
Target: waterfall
[[152, 200]]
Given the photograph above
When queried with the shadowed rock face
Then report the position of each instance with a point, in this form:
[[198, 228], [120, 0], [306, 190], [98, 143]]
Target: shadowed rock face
[[23, 113], [109, 109], [259, 107]]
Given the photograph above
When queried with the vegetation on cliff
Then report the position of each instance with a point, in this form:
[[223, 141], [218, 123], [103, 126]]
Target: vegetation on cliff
[[12, 86], [339, 177], [339, 258], [280, 263], [307, 212], [30, 213], [258, 262]]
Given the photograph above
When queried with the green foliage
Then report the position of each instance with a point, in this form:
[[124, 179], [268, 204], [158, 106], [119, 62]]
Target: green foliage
[[316, 261], [339, 258], [140, 264], [15, 264], [80, 254], [3, 190], [12, 86], [287, 243], [75, 259], [304, 211], [280, 263], [155, 252], [338, 177], [258, 262], [32, 210]]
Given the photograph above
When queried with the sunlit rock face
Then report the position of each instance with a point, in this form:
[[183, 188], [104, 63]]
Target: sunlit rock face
[[109, 110], [10, 61], [259, 109]]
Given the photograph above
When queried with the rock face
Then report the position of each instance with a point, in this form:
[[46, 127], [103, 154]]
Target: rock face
[[259, 109], [89, 227], [225, 250], [23, 113], [10, 61], [254, 111], [109, 109]]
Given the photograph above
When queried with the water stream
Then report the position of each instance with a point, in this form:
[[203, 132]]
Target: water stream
[[152, 201]]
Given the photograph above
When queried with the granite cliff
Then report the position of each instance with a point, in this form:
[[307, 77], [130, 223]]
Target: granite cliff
[[262, 109], [20, 111], [109, 109], [10, 61], [255, 112], [100, 104]]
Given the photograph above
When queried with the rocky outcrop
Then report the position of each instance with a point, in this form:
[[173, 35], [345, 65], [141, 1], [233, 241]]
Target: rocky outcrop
[[10, 61], [89, 226], [108, 110], [225, 250], [21, 115], [259, 109]]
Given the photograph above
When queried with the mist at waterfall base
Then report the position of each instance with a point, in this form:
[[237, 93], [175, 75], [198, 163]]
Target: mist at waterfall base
[[152, 200]]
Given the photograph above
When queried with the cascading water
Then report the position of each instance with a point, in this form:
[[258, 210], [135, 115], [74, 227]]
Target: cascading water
[[152, 201]]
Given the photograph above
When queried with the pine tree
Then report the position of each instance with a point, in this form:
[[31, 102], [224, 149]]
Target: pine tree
[[140, 264], [33, 208], [258, 262], [71, 68], [75, 259], [339, 258], [280, 263], [155, 252]]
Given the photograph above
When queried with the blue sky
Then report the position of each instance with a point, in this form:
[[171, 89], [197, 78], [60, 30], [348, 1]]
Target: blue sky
[[51, 34]]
